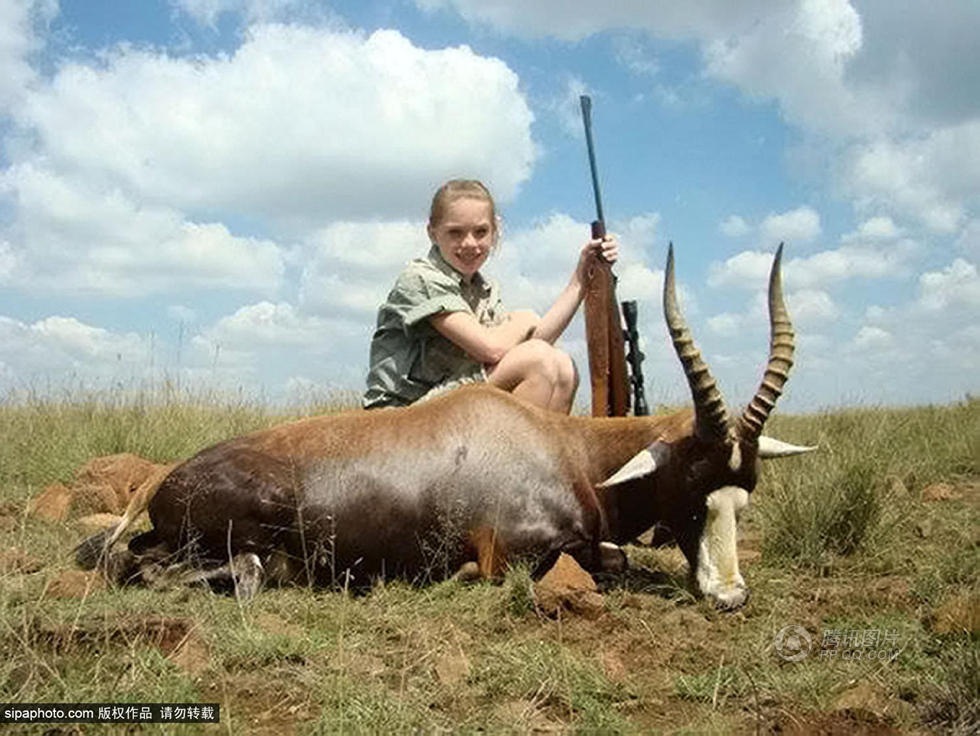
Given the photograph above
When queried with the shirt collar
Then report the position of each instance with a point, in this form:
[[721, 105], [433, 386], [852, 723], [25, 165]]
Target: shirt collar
[[436, 259]]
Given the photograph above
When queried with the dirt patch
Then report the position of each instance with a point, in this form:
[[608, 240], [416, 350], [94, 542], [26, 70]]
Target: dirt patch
[[613, 666], [452, 668], [892, 589], [686, 619], [941, 492], [166, 633], [829, 724], [566, 586], [74, 584], [52, 504], [958, 615], [254, 703]]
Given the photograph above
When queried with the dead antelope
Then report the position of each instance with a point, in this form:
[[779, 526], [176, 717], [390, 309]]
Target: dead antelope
[[480, 476]]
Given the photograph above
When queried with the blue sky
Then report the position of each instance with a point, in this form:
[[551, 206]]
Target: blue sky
[[220, 192]]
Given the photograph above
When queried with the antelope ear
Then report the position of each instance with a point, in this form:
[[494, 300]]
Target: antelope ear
[[643, 463], [770, 448]]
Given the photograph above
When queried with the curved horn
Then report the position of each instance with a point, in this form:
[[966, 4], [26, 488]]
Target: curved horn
[[711, 415], [770, 447], [780, 358]]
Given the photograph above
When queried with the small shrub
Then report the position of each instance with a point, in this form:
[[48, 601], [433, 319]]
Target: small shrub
[[520, 596], [808, 522]]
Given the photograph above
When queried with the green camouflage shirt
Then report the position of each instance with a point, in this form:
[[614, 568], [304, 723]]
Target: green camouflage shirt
[[408, 356]]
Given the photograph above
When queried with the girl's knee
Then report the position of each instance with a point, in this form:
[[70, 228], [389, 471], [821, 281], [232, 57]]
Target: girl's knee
[[543, 359], [567, 372]]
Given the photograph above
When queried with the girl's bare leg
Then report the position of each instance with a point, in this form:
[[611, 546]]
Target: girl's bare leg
[[539, 373]]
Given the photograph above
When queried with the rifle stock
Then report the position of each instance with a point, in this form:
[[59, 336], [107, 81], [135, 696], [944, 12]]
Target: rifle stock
[[604, 339]]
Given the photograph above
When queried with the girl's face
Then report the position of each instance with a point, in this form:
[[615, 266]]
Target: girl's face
[[466, 234]]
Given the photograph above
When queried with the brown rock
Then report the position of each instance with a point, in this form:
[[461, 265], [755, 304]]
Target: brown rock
[[940, 492], [75, 584], [567, 586], [97, 522], [95, 498], [13, 560], [959, 615], [123, 473], [52, 504]]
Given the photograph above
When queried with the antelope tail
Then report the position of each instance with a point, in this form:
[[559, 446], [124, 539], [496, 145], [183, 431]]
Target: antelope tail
[[91, 552]]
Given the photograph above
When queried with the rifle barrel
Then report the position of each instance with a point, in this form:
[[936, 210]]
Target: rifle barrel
[[586, 103]]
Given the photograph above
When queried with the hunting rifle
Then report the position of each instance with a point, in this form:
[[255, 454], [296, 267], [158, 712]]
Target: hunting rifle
[[604, 331]]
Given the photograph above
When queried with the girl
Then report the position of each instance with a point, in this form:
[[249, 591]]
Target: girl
[[443, 324]]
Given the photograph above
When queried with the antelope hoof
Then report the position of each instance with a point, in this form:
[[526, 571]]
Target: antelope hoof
[[731, 599], [248, 574], [612, 558], [467, 573]]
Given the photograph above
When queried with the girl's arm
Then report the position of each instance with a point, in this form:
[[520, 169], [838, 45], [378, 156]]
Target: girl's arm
[[485, 344], [556, 319]]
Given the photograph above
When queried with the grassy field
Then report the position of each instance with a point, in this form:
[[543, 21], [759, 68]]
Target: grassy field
[[871, 545]]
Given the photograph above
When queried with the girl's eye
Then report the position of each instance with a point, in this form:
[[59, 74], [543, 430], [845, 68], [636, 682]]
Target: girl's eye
[[455, 233], [482, 232]]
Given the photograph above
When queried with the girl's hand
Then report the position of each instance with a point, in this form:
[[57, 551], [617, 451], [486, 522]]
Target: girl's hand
[[606, 248]]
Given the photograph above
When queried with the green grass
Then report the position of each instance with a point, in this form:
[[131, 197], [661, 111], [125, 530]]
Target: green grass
[[841, 541]]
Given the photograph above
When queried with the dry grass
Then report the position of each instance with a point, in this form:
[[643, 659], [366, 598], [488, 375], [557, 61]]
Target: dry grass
[[840, 540]]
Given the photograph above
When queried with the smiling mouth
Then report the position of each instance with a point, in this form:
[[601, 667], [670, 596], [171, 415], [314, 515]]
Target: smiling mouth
[[470, 256]]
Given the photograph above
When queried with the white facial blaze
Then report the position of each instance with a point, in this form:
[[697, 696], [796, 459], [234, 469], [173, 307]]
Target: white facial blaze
[[717, 574], [735, 461]]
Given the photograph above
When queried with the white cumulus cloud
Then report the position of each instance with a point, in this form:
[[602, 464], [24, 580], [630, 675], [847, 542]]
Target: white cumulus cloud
[[750, 269], [734, 226], [870, 337], [207, 12], [351, 266], [74, 235], [297, 122], [19, 40], [795, 226], [57, 346], [957, 284]]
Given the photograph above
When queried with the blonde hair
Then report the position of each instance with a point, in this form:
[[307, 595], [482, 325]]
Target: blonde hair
[[460, 189]]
